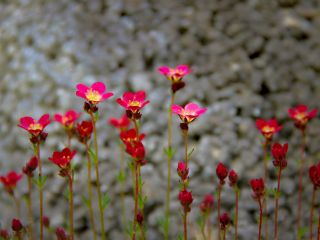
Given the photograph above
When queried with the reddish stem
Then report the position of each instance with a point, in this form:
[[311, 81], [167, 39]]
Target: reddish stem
[[311, 212], [70, 178], [219, 203], [185, 230], [260, 219], [236, 217], [224, 234], [135, 202], [277, 207], [30, 214], [301, 171], [40, 190], [319, 227], [265, 204]]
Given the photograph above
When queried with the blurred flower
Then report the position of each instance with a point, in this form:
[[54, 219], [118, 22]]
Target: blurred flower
[[139, 218], [257, 186], [268, 127], [10, 181], [63, 158], [189, 113], [121, 123], [46, 221], [94, 94], [300, 115], [222, 172], [136, 150], [314, 174], [182, 170], [61, 234], [133, 102], [4, 234], [31, 165], [207, 203], [185, 198], [16, 225], [174, 74], [84, 130], [131, 135], [224, 221], [233, 178], [68, 119], [279, 153], [35, 128]]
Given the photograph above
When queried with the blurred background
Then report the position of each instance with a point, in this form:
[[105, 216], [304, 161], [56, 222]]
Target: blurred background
[[250, 59]]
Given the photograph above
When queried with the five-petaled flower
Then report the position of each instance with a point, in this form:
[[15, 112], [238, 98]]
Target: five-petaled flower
[[189, 113], [268, 127], [257, 186], [63, 158], [233, 178], [137, 151], [84, 130], [314, 174], [224, 221], [279, 153], [133, 103], [30, 166], [300, 115], [121, 123], [207, 203], [222, 172], [94, 94], [185, 198], [10, 181], [130, 136], [183, 171], [174, 74], [35, 128], [68, 119]]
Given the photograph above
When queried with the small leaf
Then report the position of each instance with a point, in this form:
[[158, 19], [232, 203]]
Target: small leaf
[[129, 229], [190, 152], [86, 201], [105, 200], [96, 116], [169, 152], [141, 201], [93, 155], [180, 236], [40, 181], [121, 177], [301, 232]]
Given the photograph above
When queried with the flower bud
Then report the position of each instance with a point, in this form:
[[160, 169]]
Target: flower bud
[[61, 234], [183, 171], [224, 221], [185, 198], [222, 172], [46, 221], [139, 218], [16, 225], [233, 178]]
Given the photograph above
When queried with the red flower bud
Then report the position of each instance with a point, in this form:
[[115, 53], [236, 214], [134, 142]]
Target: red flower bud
[[183, 171], [185, 199], [222, 172], [61, 234], [139, 218], [30, 166], [46, 221], [257, 186], [233, 178], [84, 130], [279, 153], [4, 234], [207, 203], [224, 221], [314, 174], [16, 225]]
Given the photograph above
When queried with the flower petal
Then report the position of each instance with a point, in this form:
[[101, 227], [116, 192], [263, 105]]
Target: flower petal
[[26, 121], [177, 109], [82, 88], [44, 120], [100, 87]]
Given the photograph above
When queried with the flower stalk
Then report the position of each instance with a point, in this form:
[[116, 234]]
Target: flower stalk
[[311, 212], [70, 179], [29, 206]]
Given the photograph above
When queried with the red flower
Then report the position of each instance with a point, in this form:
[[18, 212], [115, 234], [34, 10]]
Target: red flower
[[224, 221], [136, 150], [35, 128], [94, 94], [139, 218], [257, 186], [131, 135], [279, 153], [10, 180], [207, 203], [268, 127], [63, 158], [133, 102], [314, 174], [31, 165], [183, 171], [16, 225], [185, 198], [174, 74], [189, 113], [46, 221], [233, 178], [301, 116], [222, 172], [68, 119], [84, 130], [61, 234], [4, 234], [121, 123]]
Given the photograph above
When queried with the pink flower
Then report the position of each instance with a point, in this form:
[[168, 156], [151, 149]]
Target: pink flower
[[279, 153], [68, 119], [301, 116], [63, 158], [174, 74], [35, 128], [130, 136], [183, 171], [189, 113], [133, 102], [185, 197], [121, 123], [268, 127], [94, 94]]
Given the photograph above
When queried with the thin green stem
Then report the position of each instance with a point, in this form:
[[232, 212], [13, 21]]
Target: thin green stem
[[202, 227], [30, 214], [311, 212], [135, 201], [123, 183], [301, 172], [169, 158], [40, 189], [237, 213], [103, 236], [277, 207], [319, 227], [185, 229], [260, 219], [17, 203], [224, 234], [70, 178], [265, 204], [185, 134], [91, 214]]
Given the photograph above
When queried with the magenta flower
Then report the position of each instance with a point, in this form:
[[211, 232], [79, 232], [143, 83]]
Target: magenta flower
[[35, 128], [94, 94], [121, 123], [133, 102], [174, 74], [189, 113], [63, 158], [68, 119]]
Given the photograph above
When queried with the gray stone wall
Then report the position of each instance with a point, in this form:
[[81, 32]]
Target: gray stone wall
[[250, 59]]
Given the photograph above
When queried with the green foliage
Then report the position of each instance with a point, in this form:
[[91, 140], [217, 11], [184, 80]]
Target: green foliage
[[93, 155], [40, 181], [164, 224], [190, 152], [180, 236], [141, 201], [105, 200], [129, 229], [169, 152], [121, 177], [301, 232], [86, 201]]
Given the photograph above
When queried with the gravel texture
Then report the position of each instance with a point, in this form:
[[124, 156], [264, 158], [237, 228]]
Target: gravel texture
[[250, 59]]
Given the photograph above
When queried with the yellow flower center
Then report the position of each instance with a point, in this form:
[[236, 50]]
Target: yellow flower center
[[267, 129], [134, 103], [300, 116], [93, 96], [35, 126]]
